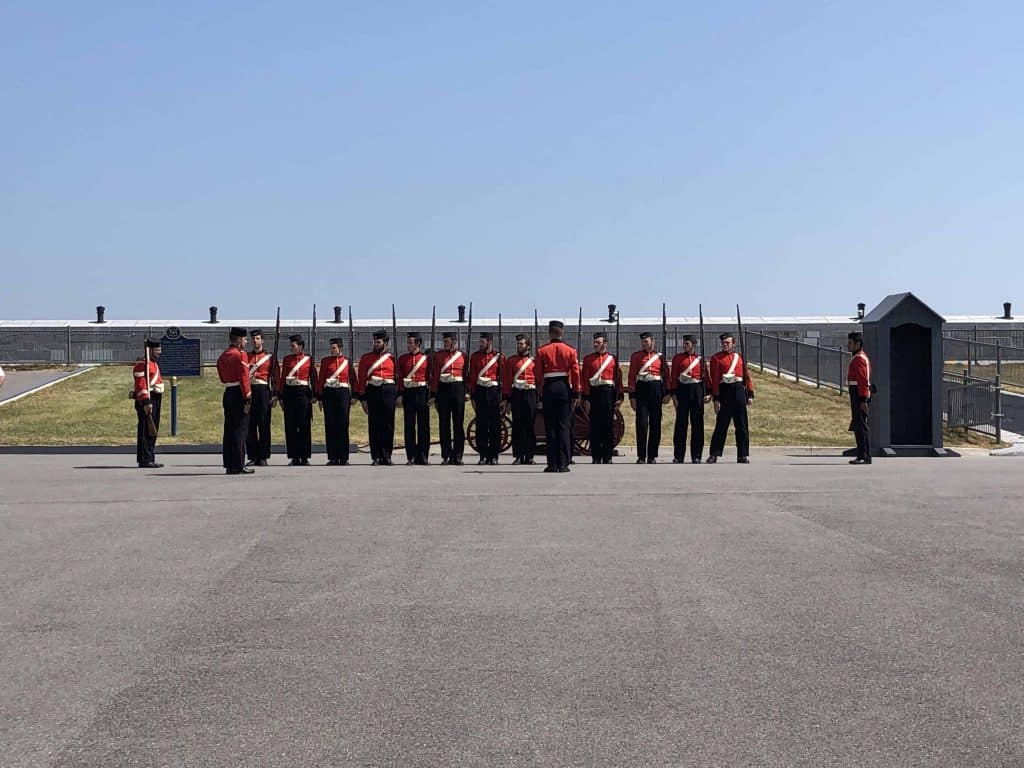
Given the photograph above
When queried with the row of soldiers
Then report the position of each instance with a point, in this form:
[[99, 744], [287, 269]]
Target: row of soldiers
[[551, 380]]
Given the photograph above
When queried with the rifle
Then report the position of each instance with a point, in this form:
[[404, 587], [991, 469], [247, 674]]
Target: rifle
[[618, 340], [430, 359], [150, 424], [579, 332], [351, 342], [664, 332], [498, 364], [394, 329], [704, 366], [312, 341], [469, 330], [536, 331], [743, 356]]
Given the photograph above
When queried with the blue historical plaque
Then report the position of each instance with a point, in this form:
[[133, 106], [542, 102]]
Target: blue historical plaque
[[179, 356]]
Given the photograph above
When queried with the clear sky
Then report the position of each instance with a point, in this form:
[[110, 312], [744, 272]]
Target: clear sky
[[793, 157]]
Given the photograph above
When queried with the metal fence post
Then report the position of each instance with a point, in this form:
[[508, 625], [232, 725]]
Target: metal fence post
[[778, 355], [969, 357], [997, 416], [796, 360], [839, 378], [817, 366], [760, 349], [999, 359], [67, 351]]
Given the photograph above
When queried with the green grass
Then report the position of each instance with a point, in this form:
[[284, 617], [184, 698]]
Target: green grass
[[94, 409]]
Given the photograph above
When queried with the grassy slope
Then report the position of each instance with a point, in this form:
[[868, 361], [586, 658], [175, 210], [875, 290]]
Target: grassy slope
[[93, 409]]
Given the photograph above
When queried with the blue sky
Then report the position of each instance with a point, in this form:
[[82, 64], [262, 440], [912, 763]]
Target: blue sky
[[793, 157]]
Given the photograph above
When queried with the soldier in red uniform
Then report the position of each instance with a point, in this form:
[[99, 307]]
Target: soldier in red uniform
[[558, 367], [484, 385], [148, 394], [648, 370], [233, 370], [334, 391], [295, 388], [449, 390], [414, 390], [732, 390], [602, 391], [375, 388], [519, 389], [858, 379], [690, 388], [262, 368]]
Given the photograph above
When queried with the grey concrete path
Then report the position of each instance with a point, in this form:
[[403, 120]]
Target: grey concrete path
[[19, 382], [794, 612]]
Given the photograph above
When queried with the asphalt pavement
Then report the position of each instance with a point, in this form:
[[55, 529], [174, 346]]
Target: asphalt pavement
[[793, 612]]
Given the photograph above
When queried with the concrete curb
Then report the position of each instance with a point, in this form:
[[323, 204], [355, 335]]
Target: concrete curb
[[41, 387]]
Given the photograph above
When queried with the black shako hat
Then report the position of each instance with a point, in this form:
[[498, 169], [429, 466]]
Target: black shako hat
[[237, 332], [335, 340], [297, 339], [381, 334], [726, 335], [556, 324], [855, 336], [256, 332]]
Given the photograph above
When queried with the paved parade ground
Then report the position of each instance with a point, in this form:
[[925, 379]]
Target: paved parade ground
[[796, 611]]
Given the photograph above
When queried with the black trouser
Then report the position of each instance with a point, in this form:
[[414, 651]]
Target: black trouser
[[236, 428], [336, 401], [689, 414], [298, 416], [380, 405], [488, 421], [557, 400], [861, 429], [649, 395], [523, 404], [145, 443], [733, 399], [602, 417], [451, 412], [257, 445], [417, 424]]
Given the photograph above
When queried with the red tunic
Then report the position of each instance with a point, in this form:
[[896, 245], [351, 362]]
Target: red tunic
[[261, 366], [859, 374], [484, 368], [691, 367], [296, 371], [233, 369], [721, 364], [555, 358], [448, 368], [657, 370], [520, 373], [375, 370], [327, 379], [412, 370], [142, 387], [609, 371]]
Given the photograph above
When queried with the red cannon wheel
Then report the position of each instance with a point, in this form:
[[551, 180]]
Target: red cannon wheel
[[581, 430]]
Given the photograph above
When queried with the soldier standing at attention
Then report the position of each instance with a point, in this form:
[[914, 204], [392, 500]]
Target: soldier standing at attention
[[519, 388], [334, 391], [449, 390], [233, 370], [558, 367], [375, 388], [485, 393], [262, 366], [648, 370], [415, 392], [690, 389], [295, 389], [602, 391], [148, 393], [732, 390], [858, 379]]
